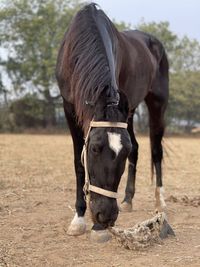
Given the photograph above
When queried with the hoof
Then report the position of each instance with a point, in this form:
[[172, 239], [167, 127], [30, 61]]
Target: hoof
[[100, 236], [77, 226], [125, 207], [76, 229]]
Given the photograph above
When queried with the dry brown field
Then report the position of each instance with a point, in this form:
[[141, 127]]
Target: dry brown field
[[37, 193]]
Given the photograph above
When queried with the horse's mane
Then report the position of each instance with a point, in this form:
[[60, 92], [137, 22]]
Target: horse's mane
[[88, 68]]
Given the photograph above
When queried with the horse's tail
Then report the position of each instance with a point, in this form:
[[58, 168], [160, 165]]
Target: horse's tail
[[164, 65]]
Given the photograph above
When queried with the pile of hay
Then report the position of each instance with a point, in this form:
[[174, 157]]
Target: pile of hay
[[143, 234]]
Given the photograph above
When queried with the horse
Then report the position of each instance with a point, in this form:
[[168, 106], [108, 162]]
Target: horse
[[103, 75]]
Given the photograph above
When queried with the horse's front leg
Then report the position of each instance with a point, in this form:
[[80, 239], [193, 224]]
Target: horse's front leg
[[78, 225], [126, 204]]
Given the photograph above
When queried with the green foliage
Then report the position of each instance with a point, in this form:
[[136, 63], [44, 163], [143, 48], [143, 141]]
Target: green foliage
[[185, 97], [28, 112], [186, 55], [7, 123], [122, 26], [32, 31]]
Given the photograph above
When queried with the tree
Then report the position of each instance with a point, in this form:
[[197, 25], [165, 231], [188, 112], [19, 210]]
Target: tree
[[3, 91], [31, 31], [185, 98], [121, 26], [28, 111], [187, 55]]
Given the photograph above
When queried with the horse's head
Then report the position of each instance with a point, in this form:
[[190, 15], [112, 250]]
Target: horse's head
[[107, 151]]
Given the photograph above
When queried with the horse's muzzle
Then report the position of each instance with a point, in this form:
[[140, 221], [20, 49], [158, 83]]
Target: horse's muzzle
[[107, 222], [104, 211]]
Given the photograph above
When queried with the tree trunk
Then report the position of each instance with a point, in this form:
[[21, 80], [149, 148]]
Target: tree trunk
[[50, 116]]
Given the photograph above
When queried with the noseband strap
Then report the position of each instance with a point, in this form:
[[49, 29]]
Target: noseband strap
[[88, 187], [107, 124], [102, 191]]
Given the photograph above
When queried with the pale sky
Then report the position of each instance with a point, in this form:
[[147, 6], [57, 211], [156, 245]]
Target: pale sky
[[183, 15]]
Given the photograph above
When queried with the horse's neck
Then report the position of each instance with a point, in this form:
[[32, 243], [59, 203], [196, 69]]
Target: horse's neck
[[110, 43]]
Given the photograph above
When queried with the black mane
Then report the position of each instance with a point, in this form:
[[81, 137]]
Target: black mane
[[87, 61]]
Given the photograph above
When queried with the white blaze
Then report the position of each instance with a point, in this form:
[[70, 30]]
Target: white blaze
[[114, 140]]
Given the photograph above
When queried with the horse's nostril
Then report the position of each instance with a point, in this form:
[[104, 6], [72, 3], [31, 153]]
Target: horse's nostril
[[101, 219]]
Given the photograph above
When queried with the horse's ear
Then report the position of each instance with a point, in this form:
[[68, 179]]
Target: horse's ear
[[123, 105]]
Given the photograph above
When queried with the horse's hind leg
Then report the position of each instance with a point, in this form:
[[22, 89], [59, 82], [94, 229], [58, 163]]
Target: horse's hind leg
[[133, 156], [78, 225], [156, 109]]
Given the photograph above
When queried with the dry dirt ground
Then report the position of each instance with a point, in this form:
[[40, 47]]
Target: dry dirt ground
[[37, 193]]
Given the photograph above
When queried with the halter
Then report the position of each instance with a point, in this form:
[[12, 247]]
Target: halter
[[88, 187]]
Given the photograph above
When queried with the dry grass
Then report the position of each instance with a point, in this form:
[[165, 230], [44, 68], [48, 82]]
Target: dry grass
[[37, 193]]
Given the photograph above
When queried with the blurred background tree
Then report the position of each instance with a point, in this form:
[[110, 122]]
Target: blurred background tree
[[31, 32], [30, 36]]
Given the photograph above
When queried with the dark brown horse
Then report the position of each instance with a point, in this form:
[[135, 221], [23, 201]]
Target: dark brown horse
[[103, 75]]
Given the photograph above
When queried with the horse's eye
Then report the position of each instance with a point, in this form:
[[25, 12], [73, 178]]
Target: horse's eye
[[96, 149]]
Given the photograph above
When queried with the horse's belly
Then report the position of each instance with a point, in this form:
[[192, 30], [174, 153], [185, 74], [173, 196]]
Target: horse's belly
[[136, 88]]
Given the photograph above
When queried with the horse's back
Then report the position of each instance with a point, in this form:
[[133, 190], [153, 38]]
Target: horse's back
[[161, 80], [143, 54]]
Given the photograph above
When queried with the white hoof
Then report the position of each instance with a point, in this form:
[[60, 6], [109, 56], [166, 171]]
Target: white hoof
[[125, 207], [77, 226]]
